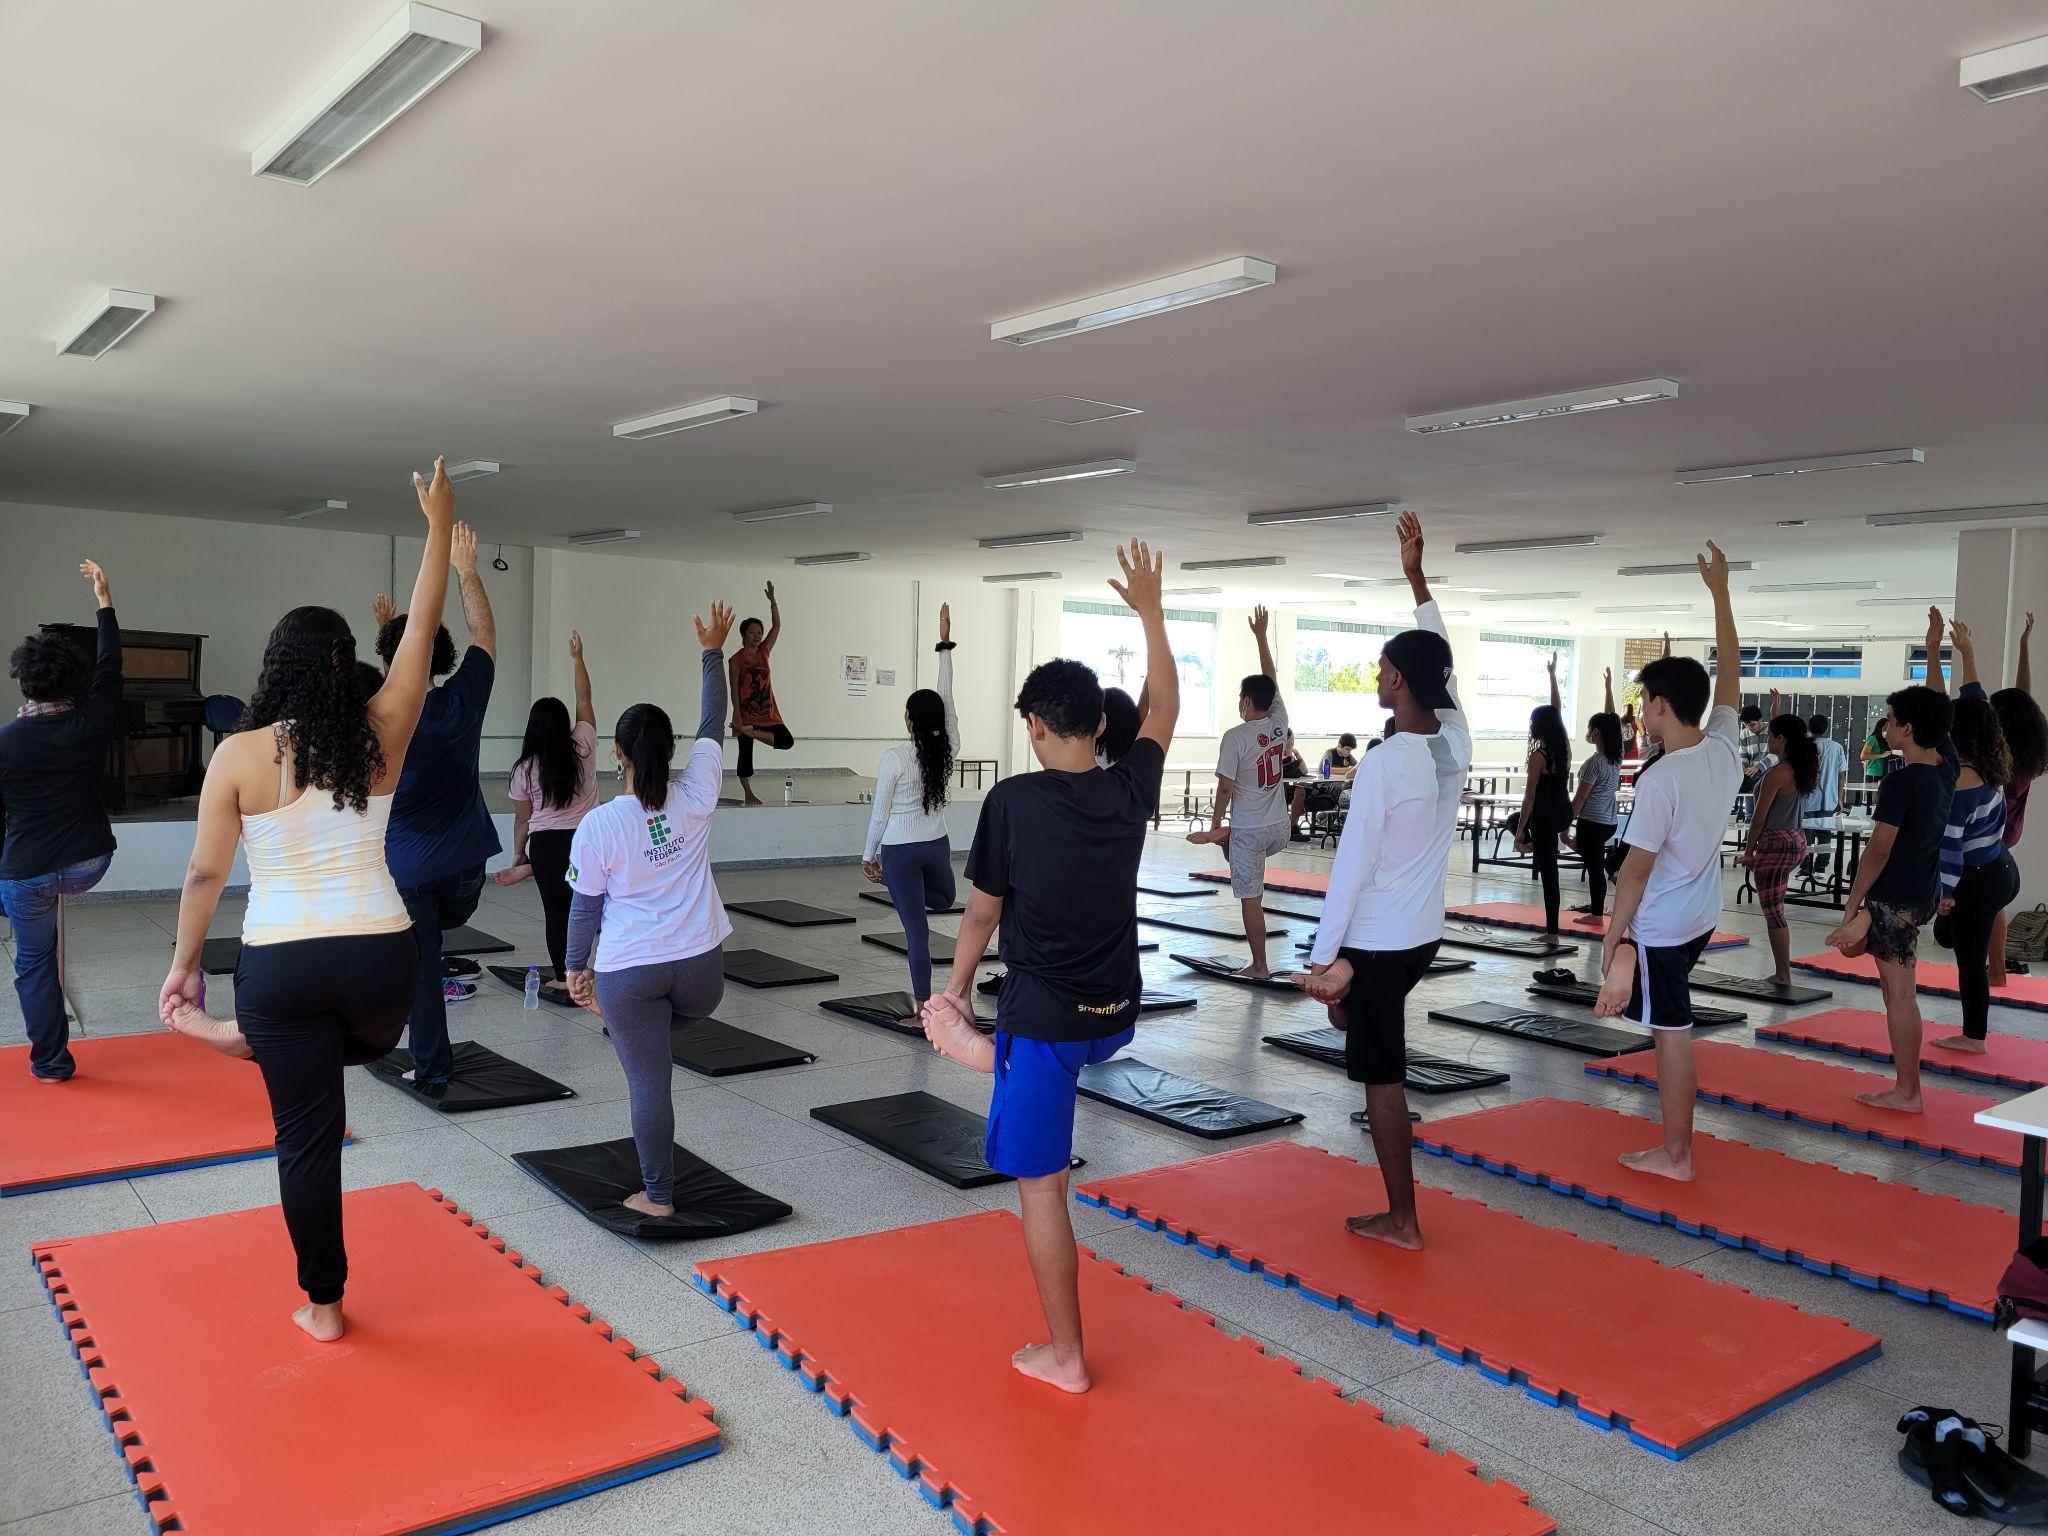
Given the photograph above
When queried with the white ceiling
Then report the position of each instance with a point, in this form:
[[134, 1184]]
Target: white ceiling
[[619, 208]]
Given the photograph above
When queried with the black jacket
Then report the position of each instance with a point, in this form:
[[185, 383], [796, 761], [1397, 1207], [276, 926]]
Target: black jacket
[[51, 769]]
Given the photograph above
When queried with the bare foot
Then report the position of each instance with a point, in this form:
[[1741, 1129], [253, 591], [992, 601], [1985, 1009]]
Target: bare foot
[[1252, 972], [323, 1320], [957, 1040], [1382, 1228], [644, 1203], [1040, 1363], [1660, 1162], [752, 799], [1892, 1098], [221, 1034], [1959, 1043]]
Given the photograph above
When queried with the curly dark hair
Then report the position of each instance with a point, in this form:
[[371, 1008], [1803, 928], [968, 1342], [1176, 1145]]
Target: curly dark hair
[[312, 682], [1980, 740], [1066, 695], [393, 632], [50, 669], [2026, 731], [926, 710]]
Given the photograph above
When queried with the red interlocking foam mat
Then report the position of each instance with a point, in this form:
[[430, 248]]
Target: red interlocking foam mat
[[1931, 977], [1583, 925], [465, 1392], [1674, 1359], [2007, 1060], [909, 1335], [1296, 882], [1925, 1247], [1823, 1095], [139, 1104]]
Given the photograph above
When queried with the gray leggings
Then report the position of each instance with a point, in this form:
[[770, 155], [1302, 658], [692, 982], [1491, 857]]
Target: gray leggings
[[640, 1005]]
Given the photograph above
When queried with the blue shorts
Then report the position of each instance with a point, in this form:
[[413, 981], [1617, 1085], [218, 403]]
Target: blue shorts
[[1031, 1109]]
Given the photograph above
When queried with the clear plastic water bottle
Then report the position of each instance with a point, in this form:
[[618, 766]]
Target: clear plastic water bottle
[[789, 789], [533, 989]]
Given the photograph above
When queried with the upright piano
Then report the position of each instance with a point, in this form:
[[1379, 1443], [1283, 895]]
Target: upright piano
[[155, 755]]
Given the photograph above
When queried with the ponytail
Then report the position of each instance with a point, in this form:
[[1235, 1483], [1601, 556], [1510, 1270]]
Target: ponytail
[[1802, 755], [648, 741]]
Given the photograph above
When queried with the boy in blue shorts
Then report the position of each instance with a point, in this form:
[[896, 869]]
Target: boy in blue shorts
[[1055, 865]]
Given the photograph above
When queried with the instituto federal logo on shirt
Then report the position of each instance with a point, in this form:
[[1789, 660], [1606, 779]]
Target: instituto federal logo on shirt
[[662, 844], [657, 828]]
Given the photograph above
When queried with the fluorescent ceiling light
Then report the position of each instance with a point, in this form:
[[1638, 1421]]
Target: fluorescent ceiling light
[[1819, 586], [605, 536], [702, 414], [1904, 602], [1317, 602], [777, 514], [1325, 514], [1070, 410], [2011, 514], [474, 469], [1025, 576], [1877, 458], [1058, 472], [2017, 69], [1646, 608], [1245, 564], [841, 557], [1192, 592], [1571, 403], [1363, 581], [1218, 280], [1508, 546], [1024, 540], [1684, 568], [414, 51], [315, 509], [12, 414], [113, 315], [1529, 597]]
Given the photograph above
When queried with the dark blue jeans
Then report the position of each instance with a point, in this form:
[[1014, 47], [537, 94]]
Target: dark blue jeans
[[31, 906], [445, 903], [920, 881]]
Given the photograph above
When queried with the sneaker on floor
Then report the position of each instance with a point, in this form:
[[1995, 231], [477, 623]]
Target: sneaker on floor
[[459, 965], [453, 991]]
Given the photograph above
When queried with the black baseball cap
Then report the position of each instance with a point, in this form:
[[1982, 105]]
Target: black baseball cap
[[1423, 658]]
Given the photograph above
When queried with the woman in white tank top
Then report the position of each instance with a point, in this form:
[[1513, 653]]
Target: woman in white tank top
[[328, 965]]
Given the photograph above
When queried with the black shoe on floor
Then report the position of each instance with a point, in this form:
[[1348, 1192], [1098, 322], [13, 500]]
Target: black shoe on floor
[[1967, 1471]]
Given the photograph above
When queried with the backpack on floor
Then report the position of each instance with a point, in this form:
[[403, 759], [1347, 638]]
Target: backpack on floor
[[2026, 935]]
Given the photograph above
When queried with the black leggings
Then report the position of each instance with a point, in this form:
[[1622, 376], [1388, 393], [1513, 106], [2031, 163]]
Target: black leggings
[[782, 743], [548, 853], [1592, 841], [308, 1009], [1984, 891], [1543, 830]]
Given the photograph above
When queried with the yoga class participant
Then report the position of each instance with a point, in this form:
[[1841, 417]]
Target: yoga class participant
[[2026, 741], [1833, 773], [1593, 806], [1979, 878], [1777, 833], [1384, 914], [1755, 744], [1668, 894], [754, 715], [328, 966], [1898, 882], [55, 840], [1055, 867], [1546, 812], [1122, 719], [441, 834], [1251, 789], [553, 787], [907, 848], [646, 905]]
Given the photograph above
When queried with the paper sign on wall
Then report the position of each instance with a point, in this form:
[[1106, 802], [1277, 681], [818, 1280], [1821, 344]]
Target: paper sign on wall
[[855, 670], [885, 677]]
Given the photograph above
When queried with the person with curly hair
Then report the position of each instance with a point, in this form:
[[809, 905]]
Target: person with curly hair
[[1979, 878], [2026, 742], [328, 964], [55, 840], [907, 848]]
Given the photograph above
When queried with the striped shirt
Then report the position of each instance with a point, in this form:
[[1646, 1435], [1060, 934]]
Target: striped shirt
[[1975, 833]]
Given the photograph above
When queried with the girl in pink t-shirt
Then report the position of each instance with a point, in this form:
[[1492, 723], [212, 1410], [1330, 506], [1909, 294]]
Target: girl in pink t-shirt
[[553, 787]]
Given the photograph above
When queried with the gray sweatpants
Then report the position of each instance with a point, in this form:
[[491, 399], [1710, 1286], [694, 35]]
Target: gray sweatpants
[[640, 1005]]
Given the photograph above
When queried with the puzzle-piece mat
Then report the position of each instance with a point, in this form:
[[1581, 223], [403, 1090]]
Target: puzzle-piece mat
[[1575, 925], [1931, 977], [2007, 1060]]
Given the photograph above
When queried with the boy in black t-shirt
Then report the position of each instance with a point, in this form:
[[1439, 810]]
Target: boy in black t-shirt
[[1055, 864]]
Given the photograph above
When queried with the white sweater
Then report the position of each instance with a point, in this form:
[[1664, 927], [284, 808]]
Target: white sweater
[[899, 814]]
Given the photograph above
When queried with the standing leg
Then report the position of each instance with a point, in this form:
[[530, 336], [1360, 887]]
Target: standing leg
[[31, 906], [903, 875], [300, 1059], [1373, 1016], [638, 1013], [940, 891], [1255, 934], [433, 1058], [1056, 1272], [1678, 1085], [1543, 843], [1593, 837], [1896, 979], [548, 852], [1996, 961], [1981, 896]]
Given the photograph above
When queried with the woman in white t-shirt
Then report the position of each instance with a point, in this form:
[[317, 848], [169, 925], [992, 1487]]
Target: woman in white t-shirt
[[646, 929], [553, 787], [907, 848]]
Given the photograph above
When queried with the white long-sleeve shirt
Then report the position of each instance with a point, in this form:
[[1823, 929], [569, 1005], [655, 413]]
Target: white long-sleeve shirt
[[1387, 884], [899, 815]]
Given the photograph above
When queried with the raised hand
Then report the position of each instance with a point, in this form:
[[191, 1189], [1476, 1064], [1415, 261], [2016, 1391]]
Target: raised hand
[[383, 610], [1607, 676], [1258, 619], [1140, 588], [712, 636], [462, 551], [769, 592], [945, 623], [1959, 635], [576, 644], [101, 592], [1714, 568], [437, 496], [1408, 529], [1934, 631], [2029, 630], [1552, 665]]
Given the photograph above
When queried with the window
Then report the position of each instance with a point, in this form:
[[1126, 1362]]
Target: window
[[1799, 661], [1109, 638], [1513, 678], [1916, 664], [1336, 678]]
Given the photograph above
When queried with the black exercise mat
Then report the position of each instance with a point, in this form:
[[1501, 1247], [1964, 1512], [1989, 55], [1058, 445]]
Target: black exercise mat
[[1442, 965], [713, 1048], [1167, 1098], [882, 898], [789, 914], [217, 957], [514, 976], [482, 1080], [1426, 1073], [1148, 1002], [1586, 995], [597, 1178], [1589, 1037], [1226, 970], [1178, 892], [1496, 941], [942, 944], [931, 1134], [1761, 988], [888, 1010], [1363, 1119], [472, 941], [758, 968], [1215, 930]]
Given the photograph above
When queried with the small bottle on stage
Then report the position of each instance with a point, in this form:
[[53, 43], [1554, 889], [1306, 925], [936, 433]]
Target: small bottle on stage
[[533, 989], [788, 789]]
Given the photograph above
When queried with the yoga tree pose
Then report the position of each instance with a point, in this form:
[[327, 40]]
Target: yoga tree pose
[[754, 714]]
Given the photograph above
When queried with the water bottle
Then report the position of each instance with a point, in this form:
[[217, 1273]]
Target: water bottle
[[789, 789], [533, 989]]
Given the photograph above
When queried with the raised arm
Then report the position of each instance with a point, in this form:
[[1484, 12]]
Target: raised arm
[[586, 711], [476, 603], [1936, 677], [1140, 590], [103, 694], [774, 621], [1260, 624], [1607, 690], [1427, 616], [1727, 645], [946, 676], [1667, 642], [711, 690], [1556, 699], [2023, 678], [395, 710]]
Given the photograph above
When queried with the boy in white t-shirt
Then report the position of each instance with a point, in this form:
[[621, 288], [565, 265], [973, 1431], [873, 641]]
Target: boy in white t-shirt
[[1251, 785], [1667, 897]]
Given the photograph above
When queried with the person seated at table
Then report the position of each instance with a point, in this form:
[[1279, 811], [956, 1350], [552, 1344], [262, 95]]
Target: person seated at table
[[1341, 761], [1335, 769], [1292, 766]]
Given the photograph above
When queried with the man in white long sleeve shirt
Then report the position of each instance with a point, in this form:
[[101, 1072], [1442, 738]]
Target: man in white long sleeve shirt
[[1384, 915]]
